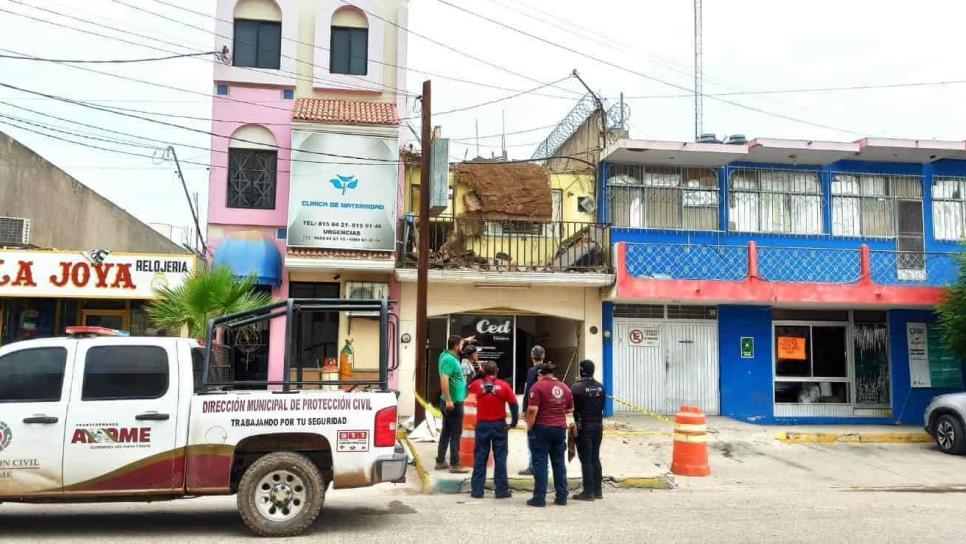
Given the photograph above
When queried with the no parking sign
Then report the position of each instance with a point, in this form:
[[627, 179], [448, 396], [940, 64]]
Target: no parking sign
[[648, 336]]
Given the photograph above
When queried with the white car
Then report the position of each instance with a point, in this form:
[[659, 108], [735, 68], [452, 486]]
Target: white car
[[944, 419]]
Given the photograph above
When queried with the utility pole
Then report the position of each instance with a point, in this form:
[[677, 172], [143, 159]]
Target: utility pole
[[422, 270], [191, 206], [698, 76]]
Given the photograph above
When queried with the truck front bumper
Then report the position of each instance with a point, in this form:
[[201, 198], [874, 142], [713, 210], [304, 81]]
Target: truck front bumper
[[392, 468]]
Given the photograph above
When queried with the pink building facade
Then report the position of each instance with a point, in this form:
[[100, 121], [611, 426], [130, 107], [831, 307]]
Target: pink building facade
[[306, 179]]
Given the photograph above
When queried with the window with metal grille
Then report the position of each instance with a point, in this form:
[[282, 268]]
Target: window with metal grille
[[641, 311], [663, 197], [257, 44], [349, 52], [251, 178], [949, 208], [869, 204], [692, 312], [784, 201]]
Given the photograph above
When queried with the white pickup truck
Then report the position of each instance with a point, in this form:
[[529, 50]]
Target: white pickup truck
[[95, 416]]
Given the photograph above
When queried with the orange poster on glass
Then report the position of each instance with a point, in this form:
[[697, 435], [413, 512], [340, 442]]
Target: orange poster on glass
[[791, 347]]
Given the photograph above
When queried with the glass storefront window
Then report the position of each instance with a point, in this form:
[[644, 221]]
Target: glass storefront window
[[812, 363]]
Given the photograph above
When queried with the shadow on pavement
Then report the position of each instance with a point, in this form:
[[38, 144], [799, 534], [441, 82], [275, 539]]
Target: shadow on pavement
[[160, 520]]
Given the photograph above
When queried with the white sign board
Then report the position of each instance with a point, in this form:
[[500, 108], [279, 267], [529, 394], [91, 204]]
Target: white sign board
[[343, 203], [917, 339], [647, 336], [56, 274]]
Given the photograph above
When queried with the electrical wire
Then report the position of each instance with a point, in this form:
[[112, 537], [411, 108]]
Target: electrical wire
[[857, 87], [494, 101], [111, 61], [383, 63], [294, 75], [451, 48], [190, 129], [636, 72]]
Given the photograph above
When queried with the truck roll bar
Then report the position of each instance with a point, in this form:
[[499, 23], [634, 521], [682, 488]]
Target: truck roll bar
[[292, 310]]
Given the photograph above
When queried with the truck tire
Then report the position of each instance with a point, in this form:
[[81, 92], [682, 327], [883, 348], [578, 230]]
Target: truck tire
[[950, 436], [281, 494]]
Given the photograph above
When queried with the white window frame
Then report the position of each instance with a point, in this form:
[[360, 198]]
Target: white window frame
[[946, 205], [750, 216], [862, 194], [680, 181]]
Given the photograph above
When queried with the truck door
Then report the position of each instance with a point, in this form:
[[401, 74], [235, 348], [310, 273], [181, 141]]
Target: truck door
[[122, 419], [34, 387]]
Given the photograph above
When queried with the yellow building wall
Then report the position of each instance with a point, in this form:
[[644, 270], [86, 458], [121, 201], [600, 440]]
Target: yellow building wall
[[523, 250]]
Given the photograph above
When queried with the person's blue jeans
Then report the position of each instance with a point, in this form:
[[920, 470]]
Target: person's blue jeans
[[490, 434], [549, 442]]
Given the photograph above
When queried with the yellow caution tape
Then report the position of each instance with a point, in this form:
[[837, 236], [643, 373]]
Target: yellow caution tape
[[642, 411], [426, 406], [424, 477]]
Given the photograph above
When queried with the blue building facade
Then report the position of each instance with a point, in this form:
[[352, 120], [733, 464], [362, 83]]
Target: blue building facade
[[782, 280]]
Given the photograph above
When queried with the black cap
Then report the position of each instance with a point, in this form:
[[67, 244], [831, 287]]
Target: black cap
[[586, 368]]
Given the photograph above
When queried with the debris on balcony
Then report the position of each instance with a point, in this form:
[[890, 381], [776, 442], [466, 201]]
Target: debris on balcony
[[582, 250], [506, 191]]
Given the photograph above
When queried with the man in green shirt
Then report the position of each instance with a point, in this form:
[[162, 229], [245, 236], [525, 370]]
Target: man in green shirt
[[453, 384]]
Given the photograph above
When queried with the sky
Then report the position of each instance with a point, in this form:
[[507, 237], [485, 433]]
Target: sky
[[642, 48]]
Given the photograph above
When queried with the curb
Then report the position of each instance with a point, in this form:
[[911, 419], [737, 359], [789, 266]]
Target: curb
[[454, 486], [854, 438]]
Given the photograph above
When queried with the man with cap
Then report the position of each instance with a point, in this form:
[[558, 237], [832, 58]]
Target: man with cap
[[537, 354], [493, 395], [589, 416], [551, 403]]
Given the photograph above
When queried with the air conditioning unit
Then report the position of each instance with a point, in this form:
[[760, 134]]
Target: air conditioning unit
[[14, 231], [365, 290]]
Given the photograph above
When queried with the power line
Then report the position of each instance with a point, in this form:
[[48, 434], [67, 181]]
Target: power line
[[190, 129], [143, 36], [449, 47], [857, 87], [494, 101], [383, 63], [367, 83], [112, 61], [637, 73]]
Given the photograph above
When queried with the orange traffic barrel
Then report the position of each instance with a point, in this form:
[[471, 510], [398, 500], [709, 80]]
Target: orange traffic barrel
[[690, 443], [468, 439]]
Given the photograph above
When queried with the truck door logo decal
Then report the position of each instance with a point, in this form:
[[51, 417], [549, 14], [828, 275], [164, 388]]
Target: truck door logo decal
[[5, 436]]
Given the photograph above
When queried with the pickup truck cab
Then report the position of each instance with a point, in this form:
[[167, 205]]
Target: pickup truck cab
[[98, 416]]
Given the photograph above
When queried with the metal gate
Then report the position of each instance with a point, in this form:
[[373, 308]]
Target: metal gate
[[662, 365]]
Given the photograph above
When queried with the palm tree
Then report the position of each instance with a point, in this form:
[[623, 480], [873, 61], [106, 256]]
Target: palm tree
[[206, 294]]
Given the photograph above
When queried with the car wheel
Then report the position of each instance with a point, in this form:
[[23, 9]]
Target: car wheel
[[950, 436], [281, 494]]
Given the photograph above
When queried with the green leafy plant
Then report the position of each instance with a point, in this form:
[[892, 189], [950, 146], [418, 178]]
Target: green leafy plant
[[206, 294], [952, 313]]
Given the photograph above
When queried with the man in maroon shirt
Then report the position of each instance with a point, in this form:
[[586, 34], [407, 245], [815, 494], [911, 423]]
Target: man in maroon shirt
[[493, 395], [551, 402]]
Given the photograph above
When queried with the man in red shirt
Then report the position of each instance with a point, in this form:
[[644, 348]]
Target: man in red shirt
[[551, 403], [493, 395]]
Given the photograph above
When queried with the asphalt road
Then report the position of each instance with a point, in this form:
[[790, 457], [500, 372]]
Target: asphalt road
[[779, 513]]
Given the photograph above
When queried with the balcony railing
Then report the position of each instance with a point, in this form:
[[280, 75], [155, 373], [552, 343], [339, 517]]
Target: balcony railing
[[790, 264], [471, 243]]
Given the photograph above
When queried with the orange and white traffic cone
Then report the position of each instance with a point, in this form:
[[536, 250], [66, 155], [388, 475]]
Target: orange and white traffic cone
[[690, 443], [468, 439]]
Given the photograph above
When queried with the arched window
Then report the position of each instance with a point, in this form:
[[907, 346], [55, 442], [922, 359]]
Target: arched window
[[258, 34], [252, 168], [349, 47]]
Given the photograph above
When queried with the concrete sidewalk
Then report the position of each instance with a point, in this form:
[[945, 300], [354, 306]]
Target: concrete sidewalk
[[623, 467], [637, 453]]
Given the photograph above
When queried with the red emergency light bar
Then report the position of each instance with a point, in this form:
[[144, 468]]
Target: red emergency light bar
[[86, 330]]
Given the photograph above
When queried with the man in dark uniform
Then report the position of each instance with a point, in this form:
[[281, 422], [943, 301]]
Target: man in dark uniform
[[537, 354], [589, 416]]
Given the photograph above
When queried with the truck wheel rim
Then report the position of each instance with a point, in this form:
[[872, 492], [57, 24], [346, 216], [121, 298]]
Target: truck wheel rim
[[945, 434], [280, 495]]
